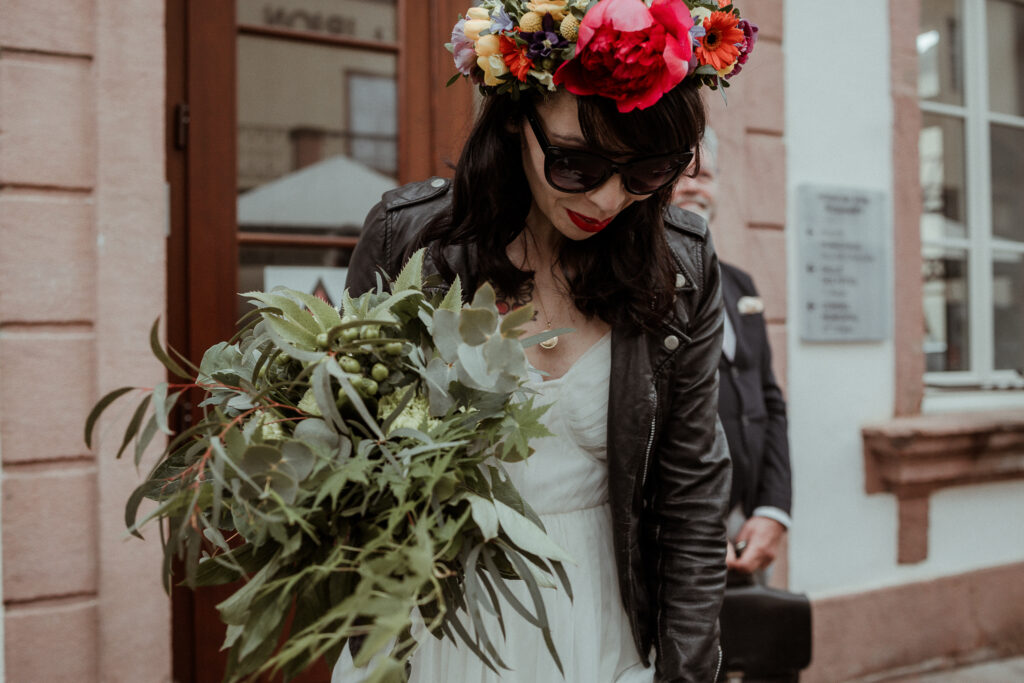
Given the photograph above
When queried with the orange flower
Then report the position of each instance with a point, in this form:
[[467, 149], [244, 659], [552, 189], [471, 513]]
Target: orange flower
[[718, 45], [516, 58]]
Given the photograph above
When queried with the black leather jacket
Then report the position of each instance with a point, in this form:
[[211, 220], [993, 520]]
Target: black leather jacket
[[669, 469]]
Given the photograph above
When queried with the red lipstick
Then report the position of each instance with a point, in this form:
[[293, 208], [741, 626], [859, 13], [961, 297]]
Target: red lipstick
[[586, 223]]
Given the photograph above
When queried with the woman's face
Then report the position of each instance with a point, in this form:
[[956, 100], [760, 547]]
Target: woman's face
[[576, 216]]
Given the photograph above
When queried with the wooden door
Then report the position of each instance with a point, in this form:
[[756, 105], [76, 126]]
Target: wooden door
[[286, 120]]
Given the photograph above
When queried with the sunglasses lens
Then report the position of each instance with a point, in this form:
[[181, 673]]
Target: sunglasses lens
[[576, 172], [650, 176]]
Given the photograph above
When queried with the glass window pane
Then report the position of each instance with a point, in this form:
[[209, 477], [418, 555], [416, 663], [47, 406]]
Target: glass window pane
[[940, 53], [314, 270], [945, 309], [1008, 310], [943, 184], [366, 19], [1006, 56], [1007, 185]]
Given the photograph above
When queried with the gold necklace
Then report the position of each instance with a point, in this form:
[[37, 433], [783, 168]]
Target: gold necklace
[[551, 343]]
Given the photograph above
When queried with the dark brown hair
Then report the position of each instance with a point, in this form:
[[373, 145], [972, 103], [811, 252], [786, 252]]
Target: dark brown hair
[[623, 274]]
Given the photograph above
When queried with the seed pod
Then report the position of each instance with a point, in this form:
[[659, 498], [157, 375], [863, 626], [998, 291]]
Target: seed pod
[[349, 364], [531, 22], [570, 28], [380, 372], [368, 387]]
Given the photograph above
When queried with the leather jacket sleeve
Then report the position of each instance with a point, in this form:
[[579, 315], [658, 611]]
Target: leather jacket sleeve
[[369, 256], [692, 474], [775, 487]]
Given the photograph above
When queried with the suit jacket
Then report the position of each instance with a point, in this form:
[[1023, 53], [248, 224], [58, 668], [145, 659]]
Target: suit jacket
[[751, 406]]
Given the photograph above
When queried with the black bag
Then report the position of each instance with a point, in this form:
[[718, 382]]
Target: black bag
[[766, 632]]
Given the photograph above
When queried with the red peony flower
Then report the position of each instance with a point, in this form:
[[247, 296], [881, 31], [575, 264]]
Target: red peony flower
[[516, 59], [630, 53], [719, 46]]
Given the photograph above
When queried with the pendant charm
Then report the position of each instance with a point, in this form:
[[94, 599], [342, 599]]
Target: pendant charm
[[549, 343]]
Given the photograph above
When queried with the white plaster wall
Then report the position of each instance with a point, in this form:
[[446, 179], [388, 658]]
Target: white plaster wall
[[839, 132]]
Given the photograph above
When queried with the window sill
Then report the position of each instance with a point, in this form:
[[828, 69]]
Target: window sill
[[913, 456]]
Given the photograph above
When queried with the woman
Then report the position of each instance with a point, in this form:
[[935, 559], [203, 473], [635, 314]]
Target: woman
[[560, 200]]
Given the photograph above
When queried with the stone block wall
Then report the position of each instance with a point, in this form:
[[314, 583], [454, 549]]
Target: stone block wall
[[82, 275], [750, 123]]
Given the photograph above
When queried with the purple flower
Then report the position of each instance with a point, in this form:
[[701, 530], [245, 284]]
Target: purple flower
[[501, 21], [541, 43], [746, 47], [749, 39], [463, 49]]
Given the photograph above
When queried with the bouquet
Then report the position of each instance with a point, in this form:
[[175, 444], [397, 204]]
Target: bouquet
[[347, 468]]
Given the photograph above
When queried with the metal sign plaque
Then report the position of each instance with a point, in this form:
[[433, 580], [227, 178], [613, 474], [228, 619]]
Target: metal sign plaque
[[843, 283]]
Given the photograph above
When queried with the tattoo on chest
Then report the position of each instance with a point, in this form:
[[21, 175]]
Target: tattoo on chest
[[509, 303]]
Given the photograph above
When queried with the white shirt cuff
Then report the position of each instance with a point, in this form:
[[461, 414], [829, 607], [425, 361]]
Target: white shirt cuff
[[775, 513]]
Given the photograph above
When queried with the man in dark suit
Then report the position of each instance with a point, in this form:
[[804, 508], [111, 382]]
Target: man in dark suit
[[750, 402]]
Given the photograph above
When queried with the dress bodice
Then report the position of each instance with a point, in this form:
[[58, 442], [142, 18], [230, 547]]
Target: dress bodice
[[569, 470]]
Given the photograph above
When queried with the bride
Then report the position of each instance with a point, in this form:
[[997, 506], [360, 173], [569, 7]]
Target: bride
[[560, 199]]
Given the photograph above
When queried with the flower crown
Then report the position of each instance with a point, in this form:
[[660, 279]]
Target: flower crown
[[632, 51]]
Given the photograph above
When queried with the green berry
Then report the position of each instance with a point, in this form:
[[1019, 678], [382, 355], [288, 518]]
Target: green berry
[[370, 332], [380, 372], [350, 333], [368, 387], [349, 364], [321, 340], [393, 348]]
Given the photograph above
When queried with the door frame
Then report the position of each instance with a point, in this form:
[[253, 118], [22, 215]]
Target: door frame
[[202, 246]]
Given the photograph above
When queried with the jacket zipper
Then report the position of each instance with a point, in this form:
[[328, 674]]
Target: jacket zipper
[[650, 444]]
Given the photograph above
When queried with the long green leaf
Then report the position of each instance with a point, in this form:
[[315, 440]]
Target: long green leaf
[[133, 425], [538, 603], [148, 432], [158, 351], [97, 410]]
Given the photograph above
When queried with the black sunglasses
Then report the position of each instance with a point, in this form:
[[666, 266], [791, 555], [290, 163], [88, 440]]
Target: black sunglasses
[[573, 170]]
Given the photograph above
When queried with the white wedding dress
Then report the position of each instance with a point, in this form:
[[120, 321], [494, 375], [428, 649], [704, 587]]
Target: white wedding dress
[[566, 483]]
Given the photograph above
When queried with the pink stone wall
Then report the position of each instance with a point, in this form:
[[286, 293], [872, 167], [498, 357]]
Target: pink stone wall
[[749, 230], [82, 204]]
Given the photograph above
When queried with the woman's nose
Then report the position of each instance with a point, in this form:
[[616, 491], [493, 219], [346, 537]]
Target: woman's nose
[[611, 196]]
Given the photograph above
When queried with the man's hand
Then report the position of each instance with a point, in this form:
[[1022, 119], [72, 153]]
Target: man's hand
[[761, 536]]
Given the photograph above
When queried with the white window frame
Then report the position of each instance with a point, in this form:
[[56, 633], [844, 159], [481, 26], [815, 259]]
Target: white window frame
[[979, 244]]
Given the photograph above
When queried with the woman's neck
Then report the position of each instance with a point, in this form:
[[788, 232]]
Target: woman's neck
[[538, 245]]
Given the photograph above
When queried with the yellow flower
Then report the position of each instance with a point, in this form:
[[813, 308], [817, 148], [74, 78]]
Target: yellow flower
[[726, 70], [493, 67], [477, 20], [488, 45], [556, 8]]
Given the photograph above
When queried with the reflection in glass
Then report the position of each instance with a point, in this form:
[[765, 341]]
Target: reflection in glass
[[1008, 310], [365, 19], [1005, 61], [314, 270], [945, 309], [943, 171], [1007, 183], [940, 52]]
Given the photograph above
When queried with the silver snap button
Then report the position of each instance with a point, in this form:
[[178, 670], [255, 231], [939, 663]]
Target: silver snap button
[[436, 182], [680, 280], [671, 342]]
